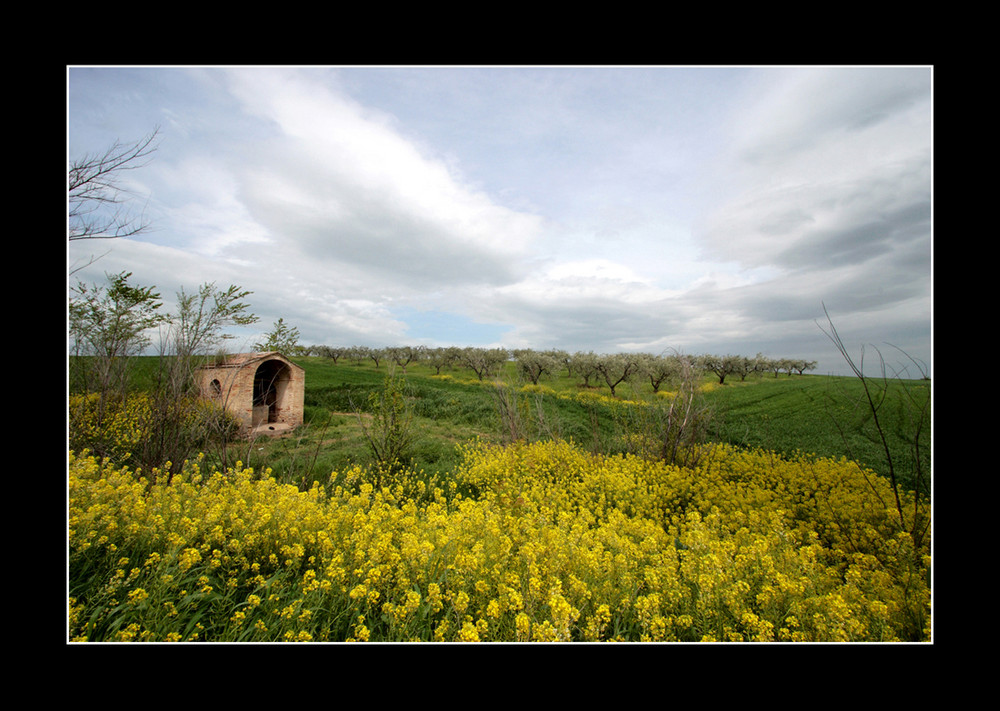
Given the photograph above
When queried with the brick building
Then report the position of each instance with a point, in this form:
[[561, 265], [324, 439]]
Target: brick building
[[266, 391]]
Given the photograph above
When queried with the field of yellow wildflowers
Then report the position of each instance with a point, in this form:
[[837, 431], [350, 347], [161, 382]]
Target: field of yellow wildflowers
[[525, 542]]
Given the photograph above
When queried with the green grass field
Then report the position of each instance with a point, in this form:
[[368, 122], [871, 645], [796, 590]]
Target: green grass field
[[827, 416], [822, 415]]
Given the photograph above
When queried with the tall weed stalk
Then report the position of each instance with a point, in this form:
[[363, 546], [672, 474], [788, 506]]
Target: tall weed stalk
[[521, 413], [674, 432], [917, 417], [389, 434]]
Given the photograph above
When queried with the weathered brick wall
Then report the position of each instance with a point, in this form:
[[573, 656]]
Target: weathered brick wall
[[232, 385], [290, 388]]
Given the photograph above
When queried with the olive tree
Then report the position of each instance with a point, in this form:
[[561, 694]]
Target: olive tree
[[439, 358], [484, 362], [358, 354], [760, 363], [562, 358], [776, 365], [616, 368], [375, 355], [584, 365], [534, 364], [659, 369], [404, 355], [801, 366], [743, 367], [721, 366], [334, 353]]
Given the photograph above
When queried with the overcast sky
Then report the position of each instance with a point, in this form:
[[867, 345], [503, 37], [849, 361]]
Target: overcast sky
[[696, 209]]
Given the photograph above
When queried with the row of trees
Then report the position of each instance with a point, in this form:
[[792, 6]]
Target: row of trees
[[534, 365], [115, 322]]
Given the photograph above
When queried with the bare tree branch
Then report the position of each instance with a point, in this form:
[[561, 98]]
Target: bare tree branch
[[95, 197], [876, 393]]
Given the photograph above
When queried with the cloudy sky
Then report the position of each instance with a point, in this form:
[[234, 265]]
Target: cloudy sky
[[697, 209]]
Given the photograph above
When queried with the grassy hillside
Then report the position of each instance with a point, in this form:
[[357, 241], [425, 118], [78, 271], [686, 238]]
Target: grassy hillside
[[822, 415], [825, 415]]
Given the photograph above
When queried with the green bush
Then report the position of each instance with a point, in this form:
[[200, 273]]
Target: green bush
[[390, 433]]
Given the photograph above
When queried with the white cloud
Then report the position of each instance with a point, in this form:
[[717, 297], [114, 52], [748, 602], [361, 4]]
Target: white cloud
[[341, 184], [582, 209], [832, 192]]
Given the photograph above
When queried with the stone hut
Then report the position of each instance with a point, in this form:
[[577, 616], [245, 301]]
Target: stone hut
[[266, 391]]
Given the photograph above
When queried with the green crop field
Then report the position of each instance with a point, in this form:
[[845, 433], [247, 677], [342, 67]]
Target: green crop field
[[825, 415], [822, 415], [816, 414]]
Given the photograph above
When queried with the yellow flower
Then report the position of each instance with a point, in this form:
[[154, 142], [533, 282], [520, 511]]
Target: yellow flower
[[434, 597], [188, 558], [441, 631], [523, 625], [569, 543], [493, 609], [468, 633], [361, 632]]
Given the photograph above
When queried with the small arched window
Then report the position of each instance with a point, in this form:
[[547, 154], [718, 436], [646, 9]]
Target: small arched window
[[216, 387]]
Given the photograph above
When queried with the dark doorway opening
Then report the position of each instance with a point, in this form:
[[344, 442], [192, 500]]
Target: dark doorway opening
[[269, 383]]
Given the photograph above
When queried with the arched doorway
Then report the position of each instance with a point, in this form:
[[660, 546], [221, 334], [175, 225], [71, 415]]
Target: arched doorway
[[270, 382]]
